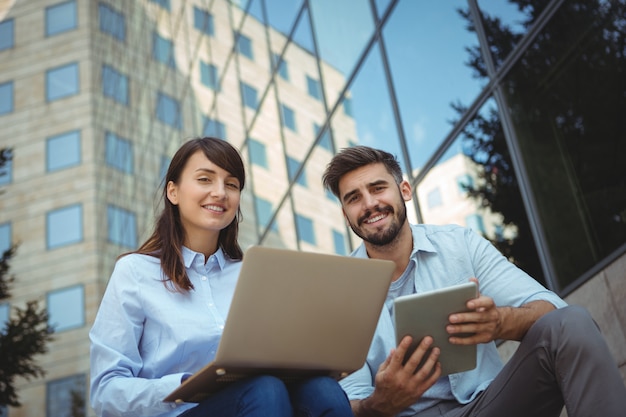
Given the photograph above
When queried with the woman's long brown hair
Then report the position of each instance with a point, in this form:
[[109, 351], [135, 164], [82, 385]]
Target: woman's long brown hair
[[167, 239]]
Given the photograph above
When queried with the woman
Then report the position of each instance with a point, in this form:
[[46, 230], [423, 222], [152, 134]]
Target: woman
[[164, 309]]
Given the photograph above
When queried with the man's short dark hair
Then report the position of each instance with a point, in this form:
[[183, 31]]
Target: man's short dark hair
[[349, 159]]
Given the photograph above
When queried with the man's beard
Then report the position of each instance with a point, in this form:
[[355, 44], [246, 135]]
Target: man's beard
[[383, 237]]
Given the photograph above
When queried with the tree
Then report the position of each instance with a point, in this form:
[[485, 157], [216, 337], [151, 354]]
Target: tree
[[24, 335], [566, 96]]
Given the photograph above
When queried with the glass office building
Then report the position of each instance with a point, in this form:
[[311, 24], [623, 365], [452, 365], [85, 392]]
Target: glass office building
[[506, 116]]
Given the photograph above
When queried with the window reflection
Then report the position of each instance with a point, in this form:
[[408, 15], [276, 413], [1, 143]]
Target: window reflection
[[371, 110], [571, 133], [474, 185]]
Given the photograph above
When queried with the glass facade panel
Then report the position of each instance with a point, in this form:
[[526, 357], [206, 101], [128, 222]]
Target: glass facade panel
[[7, 34], [163, 50], [203, 21], [264, 212], [313, 88], [214, 128], [64, 226], [258, 153], [112, 22], [66, 397], [249, 96], [168, 111], [122, 226], [165, 4], [114, 84], [6, 172], [6, 97], [306, 232], [498, 14], [372, 113], [66, 308], [61, 18], [481, 156], [430, 76], [339, 241], [209, 76], [293, 165], [244, 45], [288, 117], [283, 68], [63, 151], [62, 82], [119, 153], [5, 314], [571, 133], [5, 238], [342, 30]]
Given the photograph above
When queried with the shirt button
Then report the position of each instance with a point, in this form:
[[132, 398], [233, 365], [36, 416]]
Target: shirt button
[[204, 278], [221, 326]]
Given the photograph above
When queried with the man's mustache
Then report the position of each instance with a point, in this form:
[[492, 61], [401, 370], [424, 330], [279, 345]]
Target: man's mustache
[[377, 209]]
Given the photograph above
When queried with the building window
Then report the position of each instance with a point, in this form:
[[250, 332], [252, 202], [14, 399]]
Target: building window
[[313, 88], [114, 85], [434, 198], [6, 97], [340, 243], [163, 50], [62, 82], [209, 76], [249, 96], [66, 308], [347, 106], [203, 21], [475, 222], [212, 127], [289, 117], [162, 3], [263, 210], [112, 22], [5, 313], [165, 165], [244, 45], [283, 71], [122, 226], [305, 229], [7, 34], [258, 153], [61, 18], [168, 111], [65, 395], [464, 182], [63, 151], [119, 153], [5, 238], [6, 171], [324, 141], [64, 226], [292, 168]]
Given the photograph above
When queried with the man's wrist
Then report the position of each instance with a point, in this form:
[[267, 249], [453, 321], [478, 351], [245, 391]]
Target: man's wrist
[[366, 408]]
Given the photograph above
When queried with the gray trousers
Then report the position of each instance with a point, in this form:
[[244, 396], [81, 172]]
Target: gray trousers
[[562, 360]]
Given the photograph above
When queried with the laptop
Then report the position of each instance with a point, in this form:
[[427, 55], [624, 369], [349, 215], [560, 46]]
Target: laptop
[[295, 315], [426, 314]]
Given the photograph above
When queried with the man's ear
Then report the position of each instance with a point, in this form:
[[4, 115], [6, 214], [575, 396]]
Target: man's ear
[[405, 190], [172, 193]]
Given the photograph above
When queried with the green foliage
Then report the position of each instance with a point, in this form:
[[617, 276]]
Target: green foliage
[[23, 336]]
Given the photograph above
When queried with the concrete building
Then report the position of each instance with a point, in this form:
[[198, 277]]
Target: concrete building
[[95, 96]]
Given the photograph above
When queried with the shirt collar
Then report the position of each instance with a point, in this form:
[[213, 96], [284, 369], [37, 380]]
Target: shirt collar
[[190, 256]]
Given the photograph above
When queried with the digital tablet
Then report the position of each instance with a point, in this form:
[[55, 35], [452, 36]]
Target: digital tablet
[[426, 314]]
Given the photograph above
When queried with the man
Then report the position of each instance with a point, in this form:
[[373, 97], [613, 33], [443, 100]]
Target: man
[[562, 358]]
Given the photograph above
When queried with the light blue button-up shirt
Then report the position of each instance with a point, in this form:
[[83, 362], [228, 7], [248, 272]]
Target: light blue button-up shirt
[[146, 336], [443, 256]]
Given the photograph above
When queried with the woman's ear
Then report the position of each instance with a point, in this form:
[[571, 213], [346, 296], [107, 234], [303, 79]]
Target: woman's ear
[[172, 193]]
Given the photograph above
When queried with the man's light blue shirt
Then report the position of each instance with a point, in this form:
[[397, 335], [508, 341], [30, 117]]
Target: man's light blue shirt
[[443, 256], [146, 337]]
